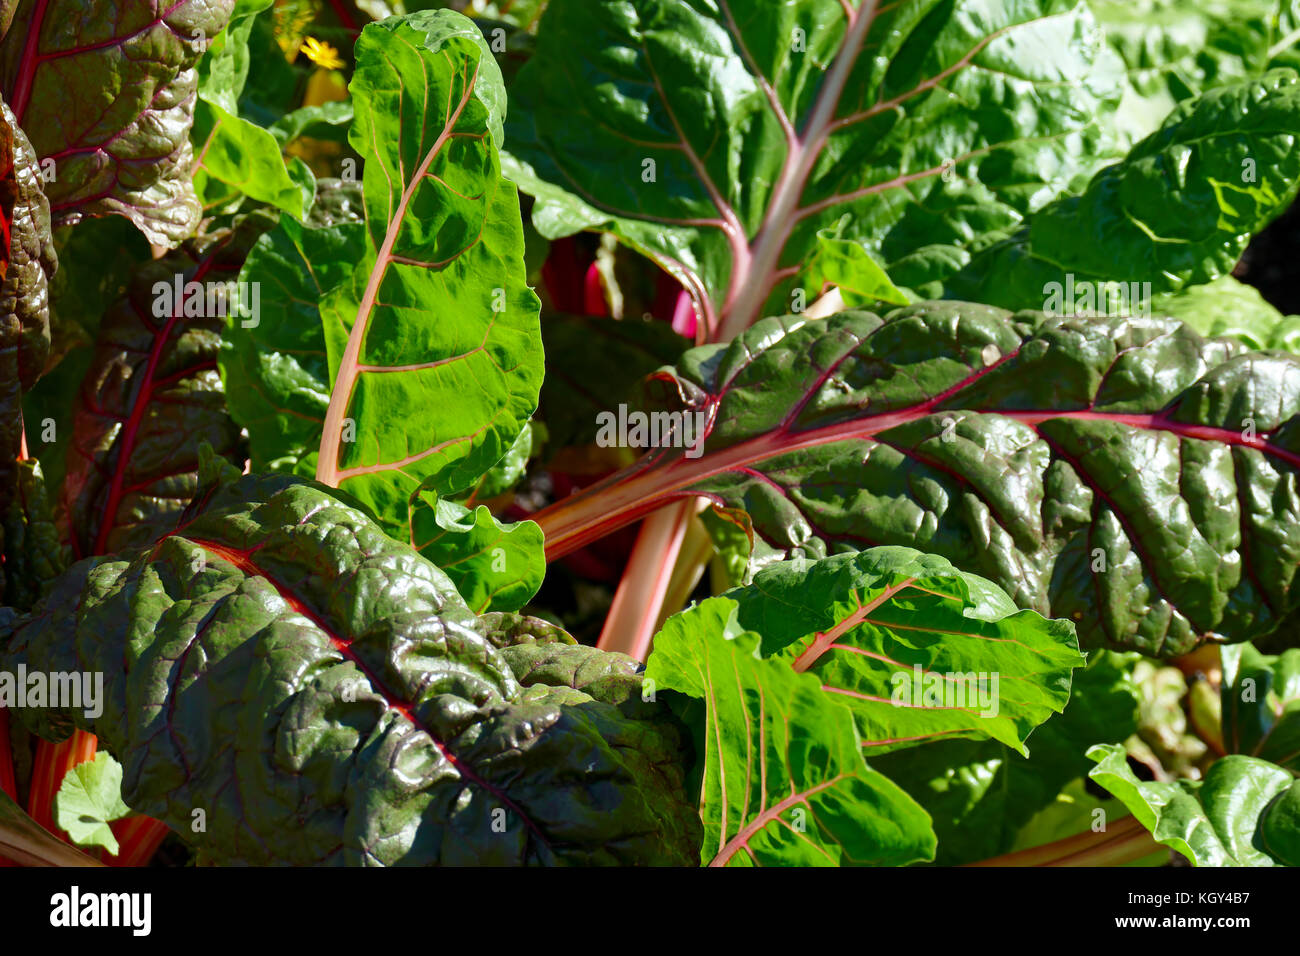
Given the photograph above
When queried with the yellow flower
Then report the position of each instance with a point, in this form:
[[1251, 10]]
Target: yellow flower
[[322, 54]]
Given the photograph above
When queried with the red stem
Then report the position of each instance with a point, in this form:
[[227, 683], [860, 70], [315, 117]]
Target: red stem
[[53, 761], [346, 19], [630, 625], [138, 839]]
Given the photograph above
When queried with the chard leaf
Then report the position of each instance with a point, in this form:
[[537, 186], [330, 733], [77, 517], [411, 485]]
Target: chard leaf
[[324, 696], [27, 261], [539, 652], [246, 160], [981, 794], [1175, 49], [1242, 814], [35, 553], [502, 477], [434, 345], [108, 98], [1126, 474], [235, 152], [276, 376], [223, 70], [496, 565], [1229, 308], [89, 799], [275, 372], [784, 781], [31, 259], [1260, 694], [916, 649], [1178, 210], [721, 139], [152, 396]]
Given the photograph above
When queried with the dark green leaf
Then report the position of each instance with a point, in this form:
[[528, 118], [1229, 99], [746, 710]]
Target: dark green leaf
[[595, 364], [1261, 704], [35, 553], [153, 395], [1126, 474], [323, 695], [27, 262], [722, 139]]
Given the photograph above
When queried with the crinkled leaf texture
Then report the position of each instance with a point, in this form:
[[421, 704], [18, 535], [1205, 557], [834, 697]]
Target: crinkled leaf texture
[[727, 140], [1178, 210], [784, 780], [108, 95], [915, 648], [35, 552], [152, 396], [1126, 474], [325, 696], [1244, 813], [27, 261]]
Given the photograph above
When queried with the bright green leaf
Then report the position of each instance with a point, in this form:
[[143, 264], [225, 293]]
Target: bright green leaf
[[784, 781], [89, 799]]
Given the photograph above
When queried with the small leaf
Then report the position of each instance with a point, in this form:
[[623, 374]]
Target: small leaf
[[89, 799], [496, 565], [849, 267]]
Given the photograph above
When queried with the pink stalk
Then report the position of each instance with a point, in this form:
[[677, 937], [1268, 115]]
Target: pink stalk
[[633, 616]]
